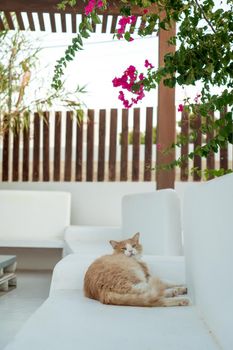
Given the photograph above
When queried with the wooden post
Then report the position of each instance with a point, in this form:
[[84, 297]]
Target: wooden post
[[166, 119]]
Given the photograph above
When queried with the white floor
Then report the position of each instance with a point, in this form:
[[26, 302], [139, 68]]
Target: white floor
[[17, 305]]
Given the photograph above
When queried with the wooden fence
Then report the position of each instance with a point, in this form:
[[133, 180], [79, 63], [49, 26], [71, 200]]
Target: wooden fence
[[214, 161], [58, 148]]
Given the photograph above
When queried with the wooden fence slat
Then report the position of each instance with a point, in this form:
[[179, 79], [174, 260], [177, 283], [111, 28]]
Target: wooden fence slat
[[104, 23], [57, 147], [15, 157], [210, 160], [68, 146], [197, 142], [41, 21], [74, 23], [114, 23], [2, 27], [52, 21], [90, 145], [20, 20], [26, 133], [136, 144], [112, 148], [132, 27], [31, 21], [223, 150], [36, 148], [101, 150], [79, 151], [184, 169], [148, 144], [124, 145], [93, 26], [9, 20], [46, 167], [63, 22], [5, 155]]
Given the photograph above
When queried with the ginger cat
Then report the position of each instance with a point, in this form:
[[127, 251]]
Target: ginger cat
[[123, 279]]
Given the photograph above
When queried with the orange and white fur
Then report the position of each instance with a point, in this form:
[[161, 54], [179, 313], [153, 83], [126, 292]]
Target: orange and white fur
[[124, 279]]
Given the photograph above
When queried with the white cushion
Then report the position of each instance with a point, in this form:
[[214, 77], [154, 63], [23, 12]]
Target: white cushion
[[69, 321], [157, 217], [33, 215]]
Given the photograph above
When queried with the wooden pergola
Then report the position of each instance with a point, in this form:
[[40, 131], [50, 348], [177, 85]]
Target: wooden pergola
[[166, 119]]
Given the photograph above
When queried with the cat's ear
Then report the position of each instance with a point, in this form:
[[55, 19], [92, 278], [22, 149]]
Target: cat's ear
[[136, 237], [113, 244]]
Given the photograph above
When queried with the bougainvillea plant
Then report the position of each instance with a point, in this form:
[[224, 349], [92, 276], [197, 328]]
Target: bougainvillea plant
[[204, 54]]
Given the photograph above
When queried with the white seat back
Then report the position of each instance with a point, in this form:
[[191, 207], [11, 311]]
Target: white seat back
[[156, 215], [33, 215]]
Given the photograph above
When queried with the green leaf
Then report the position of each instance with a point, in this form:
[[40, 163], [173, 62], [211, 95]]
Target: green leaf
[[127, 36], [96, 19]]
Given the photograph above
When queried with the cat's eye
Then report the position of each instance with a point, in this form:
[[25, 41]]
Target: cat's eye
[[134, 246], [123, 248]]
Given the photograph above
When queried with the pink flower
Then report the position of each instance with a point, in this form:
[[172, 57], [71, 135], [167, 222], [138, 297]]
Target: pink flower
[[120, 30], [148, 65], [159, 146], [141, 76], [124, 20], [133, 83], [133, 19], [100, 3], [180, 108], [91, 6], [196, 99]]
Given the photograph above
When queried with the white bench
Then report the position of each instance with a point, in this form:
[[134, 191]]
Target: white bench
[[69, 321], [156, 215], [33, 219]]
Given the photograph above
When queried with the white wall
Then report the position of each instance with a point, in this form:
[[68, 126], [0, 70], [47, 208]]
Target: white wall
[[94, 203], [208, 245]]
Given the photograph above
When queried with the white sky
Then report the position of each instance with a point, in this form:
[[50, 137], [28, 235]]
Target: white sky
[[102, 59]]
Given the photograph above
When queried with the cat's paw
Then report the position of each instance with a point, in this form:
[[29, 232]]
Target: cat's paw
[[182, 290], [184, 302]]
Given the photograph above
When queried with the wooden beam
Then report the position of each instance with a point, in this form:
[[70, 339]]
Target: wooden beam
[[50, 6], [166, 119]]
